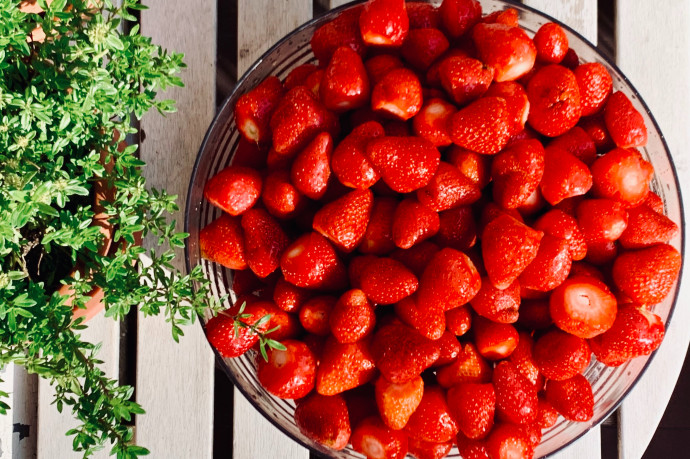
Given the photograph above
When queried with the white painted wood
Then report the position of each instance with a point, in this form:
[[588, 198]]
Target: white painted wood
[[18, 428], [652, 43], [589, 447], [174, 381], [581, 15], [330, 4], [52, 425]]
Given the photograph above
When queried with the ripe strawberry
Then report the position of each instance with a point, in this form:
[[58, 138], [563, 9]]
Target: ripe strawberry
[[423, 46], [622, 175], [287, 326], [654, 202], [341, 31], [647, 275], [551, 43], [523, 358], [509, 16], [431, 122], [324, 419], [353, 317], [578, 143], [647, 227], [595, 86], [583, 306], [313, 81], [249, 154], [298, 75], [550, 267], [264, 241], [405, 163], [565, 176], [401, 353], [497, 305], [491, 211], [559, 224], [356, 268], [412, 223], [516, 397], [447, 189], [457, 228], [601, 253], [494, 340], [582, 268], [423, 15], [245, 282], [470, 367], [601, 220], [459, 320], [572, 398], [595, 127], [253, 110], [433, 77], [535, 314], [516, 99], [311, 262], [509, 51], [417, 257], [378, 66], [459, 16], [387, 281], [428, 322], [432, 420], [315, 314], [473, 407], [384, 22], [288, 373], [375, 440], [547, 414], [234, 189], [311, 169], [349, 161], [449, 280], [398, 94], [288, 297], [345, 83], [472, 165], [560, 355], [345, 220], [361, 403], [280, 196], [508, 441], [378, 237], [220, 330], [464, 79], [221, 241], [450, 348], [420, 449], [397, 402], [635, 332], [624, 122], [344, 366], [508, 247], [483, 126], [554, 99], [471, 449], [516, 173]]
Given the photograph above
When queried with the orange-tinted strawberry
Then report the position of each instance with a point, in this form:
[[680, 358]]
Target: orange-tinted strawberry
[[431, 122], [234, 189], [311, 262], [561, 355], [220, 330], [554, 99], [315, 314], [551, 43], [572, 398], [397, 402], [497, 305], [399, 94], [417, 257], [509, 51], [387, 281], [550, 267], [472, 165], [595, 86], [288, 373], [471, 449], [494, 340], [378, 237], [458, 16], [420, 449], [324, 419], [288, 297], [509, 16], [583, 306], [469, 367], [349, 161], [601, 220], [447, 189], [345, 83], [221, 241], [535, 314], [547, 414], [376, 440], [401, 353], [384, 22], [654, 202], [516, 397], [423, 46], [412, 223], [311, 169], [344, 366], [353, 317], [473, 407], [557, 223], [253, 110], [508, 247], [647, 275], [430, 323], [516, 99], [464, 79], [647, 227], [565, 176], [405, 163], [636, 332], [457, 228], [345, 220], [523, 358], [378, 66], [578, 143], [509, 441], [264, 241], [622, 175], [623, 122], [516, 173], [280, 196], [432, 420], [449, 280], [459, 320], [483, 126]]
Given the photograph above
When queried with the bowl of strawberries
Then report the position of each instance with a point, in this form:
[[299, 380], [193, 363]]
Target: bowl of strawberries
[[446, 228]]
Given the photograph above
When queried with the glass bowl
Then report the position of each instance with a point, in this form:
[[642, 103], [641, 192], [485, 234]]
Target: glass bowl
[[610, 385]]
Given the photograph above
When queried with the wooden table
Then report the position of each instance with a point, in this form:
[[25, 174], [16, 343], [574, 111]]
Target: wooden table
[[175, 383]]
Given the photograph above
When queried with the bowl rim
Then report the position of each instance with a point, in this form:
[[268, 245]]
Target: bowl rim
[[223, 109]]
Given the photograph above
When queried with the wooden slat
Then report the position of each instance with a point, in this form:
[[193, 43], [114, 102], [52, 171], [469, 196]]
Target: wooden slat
[[330, 4], [652, 42], [589, 446], [174, 382], [52, 425], [18, 429]]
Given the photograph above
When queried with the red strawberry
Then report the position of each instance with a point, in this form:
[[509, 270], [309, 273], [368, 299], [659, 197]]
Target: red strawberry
[[349, 161], [378, 66], [298, 75], [315, 314], [535, 314], [551, 43], [311, 169], [572, 398], [311, 262], [433, 77], [450, 348], [246, 283], [560, 355], [430, 323], [492, 211], [384, 22], [647, 275], [516, 99], [583, 306], [345, 84], [412, 223], [654, 202], [550, 267], [473, 406], [554, 99], [387, 281], [523, 358], [516, 397], [280, 196], [220, 330], [341, 31], [432, 420], [397, 402], [345, 220], [635, 332], [464, 79], [581, 268], [508, 441], [470, 367], [448, 188], [457, 228], [405, 163], [313, 81], [516, 173], [375, 440], [557, 223], [578, 143], [497, 305], [423, 15], [234, 189], [565, 176], [288, 373], [449, 280], [471, 449], [622, 175], [459, 320], [647, 227], [417, 257], [356, 268], [624, 122], [571, 59], [288, 297], [420, 449], [595, 127], [249, 154], [494, 340], [264, 241], [431, 122], [601, 220], [459, 16], [221, 241], [397, 128], [378, 237], [547, 414], [398, 93], [287, 326], [423, 46], [324, 419], [601, 253], [361, 403], [474, 166], [401, 353], [483, 126], [595, 86], [509, 51], [508, 247], [344, 366], [353, 317], [253, 110]]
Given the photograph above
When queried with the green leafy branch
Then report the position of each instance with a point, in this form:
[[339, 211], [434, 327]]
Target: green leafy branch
[[257, 328]]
